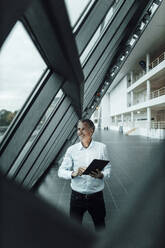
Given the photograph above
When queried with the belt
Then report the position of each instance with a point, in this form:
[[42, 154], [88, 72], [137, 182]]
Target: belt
[[87, 196]]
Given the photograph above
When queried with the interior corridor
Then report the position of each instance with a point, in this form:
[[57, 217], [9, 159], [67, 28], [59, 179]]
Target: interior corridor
[[133, 194]]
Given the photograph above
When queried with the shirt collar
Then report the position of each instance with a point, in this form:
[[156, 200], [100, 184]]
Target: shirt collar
[[82, 147]]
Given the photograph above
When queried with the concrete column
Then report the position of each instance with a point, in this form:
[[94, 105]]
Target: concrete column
[[147, 62], [148, 90], [122, 118], [132, 115], [131, 76], [99, 116], [115, 120], [131, 98], [105, 114], [149, 117]]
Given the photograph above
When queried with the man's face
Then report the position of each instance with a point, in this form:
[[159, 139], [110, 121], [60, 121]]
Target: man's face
[[84, 131]]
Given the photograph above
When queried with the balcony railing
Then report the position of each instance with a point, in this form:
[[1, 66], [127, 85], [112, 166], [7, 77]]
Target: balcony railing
[[157, 61], [157, 93], [158, 124], [141, 124], [153, 94], [154, 63]]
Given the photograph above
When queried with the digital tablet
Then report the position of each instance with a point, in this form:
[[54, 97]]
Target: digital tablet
[[95, 164]]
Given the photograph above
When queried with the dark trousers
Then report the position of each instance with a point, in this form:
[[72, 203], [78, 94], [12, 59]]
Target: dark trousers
[[93, 203]]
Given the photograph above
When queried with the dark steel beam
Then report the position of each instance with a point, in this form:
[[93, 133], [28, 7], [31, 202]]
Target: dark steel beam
[[91, 23], [49, 25], [11, 11], [42, 140], [110, 35], [55, 144], [26, 124]]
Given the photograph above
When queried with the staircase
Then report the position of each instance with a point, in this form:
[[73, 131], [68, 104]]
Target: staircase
[[130, 131]]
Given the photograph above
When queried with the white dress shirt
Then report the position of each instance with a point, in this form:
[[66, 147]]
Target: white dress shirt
[[78, 156]]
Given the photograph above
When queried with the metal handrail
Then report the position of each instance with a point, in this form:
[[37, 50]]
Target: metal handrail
[[158, 124], [141, 124], [157, 93], [157, 61], [154, 63]]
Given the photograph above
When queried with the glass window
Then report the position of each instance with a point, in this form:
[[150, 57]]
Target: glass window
[[39, 127], [77, 9], [99, 32], [21, 66]]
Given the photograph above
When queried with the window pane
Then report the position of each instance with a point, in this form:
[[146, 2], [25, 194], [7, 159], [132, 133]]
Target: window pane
[[21, 66], [36, 132], [99, 32], [75, 9]]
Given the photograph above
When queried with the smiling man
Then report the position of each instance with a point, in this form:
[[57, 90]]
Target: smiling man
[[87, 190]]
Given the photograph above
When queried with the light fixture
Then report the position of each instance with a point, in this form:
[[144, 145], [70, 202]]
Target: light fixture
[[132, 41], [142, 25], [135, 36], [138, 112], [157, 2], [112, 74], [146, 18], [127, 48], [107, 83], [122, 57]]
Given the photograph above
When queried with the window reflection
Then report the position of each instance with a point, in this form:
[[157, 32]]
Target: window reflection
[[47, 114], [99, 32], [21, 66], [36, 132], [77, 9]]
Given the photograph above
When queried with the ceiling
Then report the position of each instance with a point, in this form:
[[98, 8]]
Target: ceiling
[[151, 41]]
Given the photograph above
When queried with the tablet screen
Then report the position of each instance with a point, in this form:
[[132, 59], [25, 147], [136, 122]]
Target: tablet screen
[[95, 164]]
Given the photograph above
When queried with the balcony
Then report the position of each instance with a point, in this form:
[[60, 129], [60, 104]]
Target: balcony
[[153, 64], [158, 124], [157, 61], [157, 93]]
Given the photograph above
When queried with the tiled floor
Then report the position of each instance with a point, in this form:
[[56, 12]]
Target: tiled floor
[[134, 192]]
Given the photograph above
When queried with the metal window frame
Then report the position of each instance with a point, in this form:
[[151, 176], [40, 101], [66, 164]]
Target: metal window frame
[[58, 47], [91, 23], [58, 140], [108, 37], [41, 100], [42, 140]]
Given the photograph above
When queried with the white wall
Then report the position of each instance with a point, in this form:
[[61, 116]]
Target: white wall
[[140, 97], [118, 98], [105, 111]]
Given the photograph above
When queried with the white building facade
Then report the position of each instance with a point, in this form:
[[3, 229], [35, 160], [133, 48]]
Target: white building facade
[[136, 106]]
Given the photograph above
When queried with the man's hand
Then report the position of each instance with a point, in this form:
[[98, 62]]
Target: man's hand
[[97, 174], [78, 172]]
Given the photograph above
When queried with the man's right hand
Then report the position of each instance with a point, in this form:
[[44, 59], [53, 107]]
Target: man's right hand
[[78, 172]]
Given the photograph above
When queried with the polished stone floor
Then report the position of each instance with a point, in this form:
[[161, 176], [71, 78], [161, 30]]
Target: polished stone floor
[[134, 194]]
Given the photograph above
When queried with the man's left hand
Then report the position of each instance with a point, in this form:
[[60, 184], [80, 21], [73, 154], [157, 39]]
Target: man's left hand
[[97, 174]]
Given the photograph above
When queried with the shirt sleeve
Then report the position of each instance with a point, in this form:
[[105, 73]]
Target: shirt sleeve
[[65, 170], [107, 169]]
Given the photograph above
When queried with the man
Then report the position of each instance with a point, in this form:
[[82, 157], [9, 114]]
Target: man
[[87, 190]]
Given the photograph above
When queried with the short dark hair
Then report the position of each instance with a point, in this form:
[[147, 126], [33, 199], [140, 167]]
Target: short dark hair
[[89, 122]]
